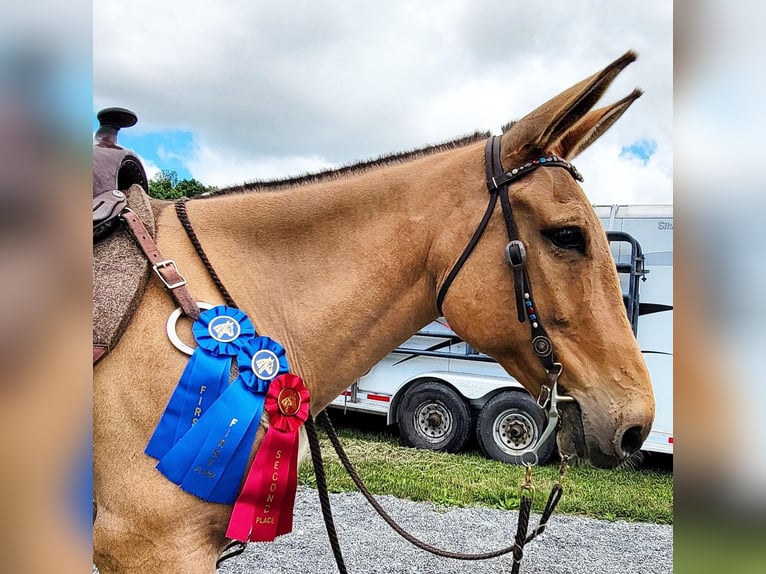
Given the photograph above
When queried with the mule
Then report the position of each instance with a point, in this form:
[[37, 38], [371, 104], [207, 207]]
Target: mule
[[342, 267]]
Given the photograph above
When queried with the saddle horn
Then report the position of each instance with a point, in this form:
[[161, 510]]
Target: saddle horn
[[110, 121]]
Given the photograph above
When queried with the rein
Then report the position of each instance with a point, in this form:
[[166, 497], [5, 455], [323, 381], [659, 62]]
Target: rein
[[515, 253]]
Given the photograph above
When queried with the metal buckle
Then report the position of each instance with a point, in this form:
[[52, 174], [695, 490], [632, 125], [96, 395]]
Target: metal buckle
[[169, 263], [516, 254]]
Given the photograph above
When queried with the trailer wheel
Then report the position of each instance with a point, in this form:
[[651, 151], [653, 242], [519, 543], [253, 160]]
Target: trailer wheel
[[509, 424], [434, 417]]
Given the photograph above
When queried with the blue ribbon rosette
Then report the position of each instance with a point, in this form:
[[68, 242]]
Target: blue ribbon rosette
[[220, 333], [211, 458]]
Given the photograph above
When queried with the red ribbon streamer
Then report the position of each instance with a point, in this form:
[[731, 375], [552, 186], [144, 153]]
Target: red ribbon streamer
[[264, 508]]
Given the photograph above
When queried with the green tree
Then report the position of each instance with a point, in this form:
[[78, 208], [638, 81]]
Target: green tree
[[191, 187], [169, 175], [165, 185], [162, 185]]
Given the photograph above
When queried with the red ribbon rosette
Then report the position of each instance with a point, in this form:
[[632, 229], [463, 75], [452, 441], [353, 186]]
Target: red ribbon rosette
[[264, 508]]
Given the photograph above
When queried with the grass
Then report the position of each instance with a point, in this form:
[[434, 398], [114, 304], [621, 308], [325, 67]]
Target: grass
[[466, 479]]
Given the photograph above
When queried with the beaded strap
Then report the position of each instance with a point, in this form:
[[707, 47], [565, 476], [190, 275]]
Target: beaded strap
[[517, 172]]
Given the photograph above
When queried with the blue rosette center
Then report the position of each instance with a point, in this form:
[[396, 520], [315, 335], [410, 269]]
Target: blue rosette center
[[261, 360], [222, 331]]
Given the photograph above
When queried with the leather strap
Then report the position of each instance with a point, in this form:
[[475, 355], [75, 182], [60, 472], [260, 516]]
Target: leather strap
[[500, 180], [466, 252], [107, 207], [98, 352], [494, 167], [164, 268]]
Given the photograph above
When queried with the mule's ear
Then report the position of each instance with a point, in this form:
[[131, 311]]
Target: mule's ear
[[542, 128], [592, 126]]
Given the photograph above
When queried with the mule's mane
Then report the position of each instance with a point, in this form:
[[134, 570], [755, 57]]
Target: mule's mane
[[352, 169]]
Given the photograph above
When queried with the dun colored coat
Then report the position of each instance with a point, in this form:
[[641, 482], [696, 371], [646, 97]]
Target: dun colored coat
[[342, 269]]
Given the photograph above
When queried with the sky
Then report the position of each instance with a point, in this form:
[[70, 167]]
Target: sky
[[228, 92]]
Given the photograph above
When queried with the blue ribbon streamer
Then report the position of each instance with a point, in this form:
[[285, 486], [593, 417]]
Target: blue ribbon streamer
[[211, 458], [220, 333]]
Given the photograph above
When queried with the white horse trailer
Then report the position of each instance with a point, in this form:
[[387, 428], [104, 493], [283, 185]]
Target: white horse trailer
[[652, 227], [441, 391]]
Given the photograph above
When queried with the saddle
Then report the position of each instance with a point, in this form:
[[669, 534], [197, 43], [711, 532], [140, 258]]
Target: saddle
[[120, 275], [120, 270]]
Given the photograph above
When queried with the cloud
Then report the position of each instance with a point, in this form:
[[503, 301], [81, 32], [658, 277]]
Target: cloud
[[300, 83], [210, 166], [612, 177], [151, 168]]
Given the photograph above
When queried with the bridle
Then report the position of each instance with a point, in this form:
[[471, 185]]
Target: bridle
[[498, 181]]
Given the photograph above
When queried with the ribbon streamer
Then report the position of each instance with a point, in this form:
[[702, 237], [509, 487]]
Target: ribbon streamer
[[264, 508], [220, 333], [211, 458]]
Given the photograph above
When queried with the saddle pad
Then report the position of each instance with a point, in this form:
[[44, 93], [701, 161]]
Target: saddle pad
[[120, 274]]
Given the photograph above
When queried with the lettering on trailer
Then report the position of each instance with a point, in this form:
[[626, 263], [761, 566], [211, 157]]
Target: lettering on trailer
[[665, 225]]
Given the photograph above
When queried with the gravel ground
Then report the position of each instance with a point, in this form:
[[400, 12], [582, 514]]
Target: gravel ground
[[570, 544]]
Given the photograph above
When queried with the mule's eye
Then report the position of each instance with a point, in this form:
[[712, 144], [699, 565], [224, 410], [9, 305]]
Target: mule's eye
[[567, 238]]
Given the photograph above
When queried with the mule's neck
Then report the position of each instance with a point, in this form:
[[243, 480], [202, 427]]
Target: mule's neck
[[339, 272]]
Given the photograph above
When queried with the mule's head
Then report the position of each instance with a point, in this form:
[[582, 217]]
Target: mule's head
[[573, 279]]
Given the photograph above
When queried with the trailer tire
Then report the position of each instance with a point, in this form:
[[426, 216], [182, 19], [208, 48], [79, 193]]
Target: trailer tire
[[510, 423], [433, 416]]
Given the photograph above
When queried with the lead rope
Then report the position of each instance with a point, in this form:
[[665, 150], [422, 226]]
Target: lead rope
[[324, 494], [527, 490], [525, 508]]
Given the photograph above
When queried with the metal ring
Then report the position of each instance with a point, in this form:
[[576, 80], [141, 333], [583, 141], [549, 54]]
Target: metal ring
[[557, 374], [171, 328], [529, 457], [542, 346]]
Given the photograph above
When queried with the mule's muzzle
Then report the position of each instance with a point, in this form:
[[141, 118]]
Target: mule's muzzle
[[626, 442], [573, 439]]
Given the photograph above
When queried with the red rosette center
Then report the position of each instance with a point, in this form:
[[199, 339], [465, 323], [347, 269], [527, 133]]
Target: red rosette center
[[287, 403]]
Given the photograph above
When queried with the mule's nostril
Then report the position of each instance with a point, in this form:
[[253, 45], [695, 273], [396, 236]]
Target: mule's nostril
[[632, 439]]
